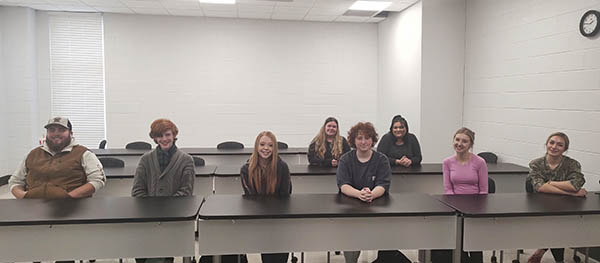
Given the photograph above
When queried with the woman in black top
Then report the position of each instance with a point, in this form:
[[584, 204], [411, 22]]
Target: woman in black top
[[266, 174], [401, 147], [328, 146]]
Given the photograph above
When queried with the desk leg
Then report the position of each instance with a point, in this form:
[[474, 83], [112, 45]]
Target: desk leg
[[425, 256], [459, 239]]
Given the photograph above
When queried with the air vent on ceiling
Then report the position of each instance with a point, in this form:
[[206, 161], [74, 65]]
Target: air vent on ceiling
[[359, 13], [382, 14]]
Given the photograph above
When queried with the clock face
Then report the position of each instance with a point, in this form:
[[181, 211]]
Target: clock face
[[588, 26]]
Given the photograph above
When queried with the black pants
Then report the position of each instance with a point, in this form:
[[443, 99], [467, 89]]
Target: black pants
[[274, 258], [446, 255]]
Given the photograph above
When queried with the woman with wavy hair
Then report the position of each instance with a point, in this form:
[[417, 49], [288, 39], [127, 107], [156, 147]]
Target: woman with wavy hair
[[266, 174], [328, 146]]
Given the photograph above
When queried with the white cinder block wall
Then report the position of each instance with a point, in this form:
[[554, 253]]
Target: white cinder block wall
[[18, 85], [529, 73], [228, 79], [400, 69]]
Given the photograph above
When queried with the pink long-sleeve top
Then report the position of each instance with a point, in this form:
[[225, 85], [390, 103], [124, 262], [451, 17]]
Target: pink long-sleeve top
[[469, 178]]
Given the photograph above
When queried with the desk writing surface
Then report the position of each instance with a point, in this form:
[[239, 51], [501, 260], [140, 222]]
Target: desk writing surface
[[436, 168], [129, 171], [319, 206], [98, 210], [196, 151], [521, 204]]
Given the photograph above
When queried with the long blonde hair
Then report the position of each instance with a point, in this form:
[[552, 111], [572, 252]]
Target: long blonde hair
[[256, 174], [320, 141]]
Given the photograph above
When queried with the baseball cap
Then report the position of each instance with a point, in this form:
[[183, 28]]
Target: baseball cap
[[62, 121]]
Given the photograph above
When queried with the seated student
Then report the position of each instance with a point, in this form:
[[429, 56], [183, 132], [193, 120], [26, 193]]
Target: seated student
[[328, 146], [60, 168], [463, 173], [165, 171], [400, 146], [266, 174], [363, 173], [555, 173]]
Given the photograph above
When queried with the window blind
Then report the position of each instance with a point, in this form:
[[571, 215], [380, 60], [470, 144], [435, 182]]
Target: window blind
[[77, 74]]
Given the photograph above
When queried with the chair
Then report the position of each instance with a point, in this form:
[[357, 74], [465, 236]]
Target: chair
[[139, 145], [489, 157], [491, 190], [198, 161], [4, 179], [102, 144], [111, 162], [230, 145], [529, 189], [282, 145]]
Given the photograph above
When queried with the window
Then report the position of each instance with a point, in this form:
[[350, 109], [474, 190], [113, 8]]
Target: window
[[77, 74]]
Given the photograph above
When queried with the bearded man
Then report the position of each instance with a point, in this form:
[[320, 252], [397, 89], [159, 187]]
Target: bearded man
[[60, 168]]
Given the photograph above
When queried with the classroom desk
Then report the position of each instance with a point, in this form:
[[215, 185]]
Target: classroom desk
[[129, 171], [292, 155], [110, 227], [521, 220], [231, 224], [311, 179], [203, 186]]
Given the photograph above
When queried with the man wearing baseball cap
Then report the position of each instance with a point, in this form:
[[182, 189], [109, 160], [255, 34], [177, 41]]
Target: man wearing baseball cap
[[60, 168]]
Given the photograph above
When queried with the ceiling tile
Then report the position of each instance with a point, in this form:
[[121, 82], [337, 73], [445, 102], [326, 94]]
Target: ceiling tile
[[254, 15], [218, 7], [121, 10], [150, 11], [80, 8], [320, 18], [104, 3], [327, 11], [186, 12], [142, 4], [254, 8], [181, 4], [351, 19], [282, 16], [256, 2], [290, 10], [215, 13]]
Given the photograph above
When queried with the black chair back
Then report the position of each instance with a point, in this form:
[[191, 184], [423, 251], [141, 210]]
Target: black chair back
[[102, 144], [139, 145], [491, 185], [4, 179], [528, 186], [198, 161], [489, 157], [230, 145], [282, 145], [111, 162]]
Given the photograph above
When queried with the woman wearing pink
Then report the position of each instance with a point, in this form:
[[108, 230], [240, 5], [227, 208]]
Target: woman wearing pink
[[465, 172]]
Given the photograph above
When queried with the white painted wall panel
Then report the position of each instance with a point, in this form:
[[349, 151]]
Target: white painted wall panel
[[17, 26], [400, 69], [228, 79], [528, 73]]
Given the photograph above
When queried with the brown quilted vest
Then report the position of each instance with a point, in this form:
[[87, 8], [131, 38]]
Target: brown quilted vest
[[52, 177]]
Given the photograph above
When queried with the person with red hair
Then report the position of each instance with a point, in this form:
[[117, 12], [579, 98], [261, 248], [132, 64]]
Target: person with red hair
[[165, 171]]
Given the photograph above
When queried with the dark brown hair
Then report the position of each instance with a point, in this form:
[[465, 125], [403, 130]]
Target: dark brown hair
[[366, 128]]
